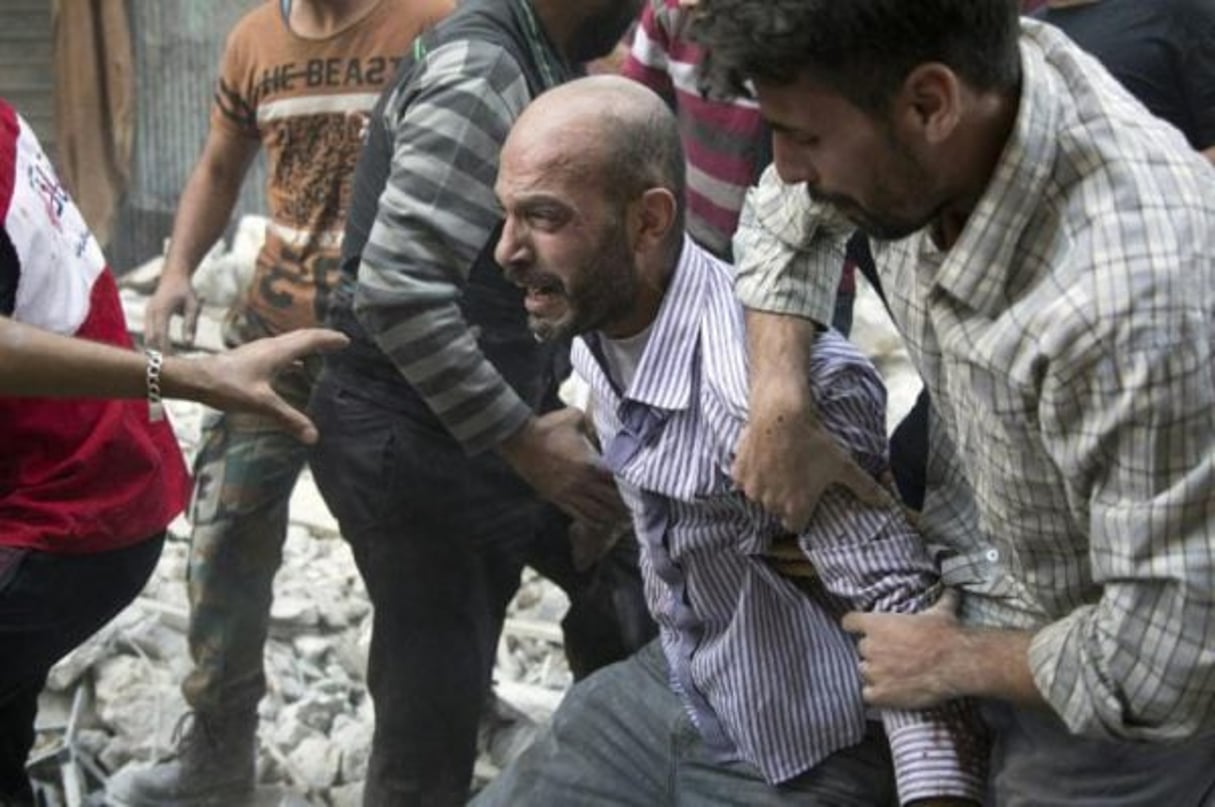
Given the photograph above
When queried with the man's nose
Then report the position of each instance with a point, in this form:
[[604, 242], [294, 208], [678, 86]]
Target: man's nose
[[510, 247], [793, 165]]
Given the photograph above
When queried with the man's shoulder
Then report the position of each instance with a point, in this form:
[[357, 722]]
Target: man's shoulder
[[262, 26], [479, 41], [479, 24], [458, 65]]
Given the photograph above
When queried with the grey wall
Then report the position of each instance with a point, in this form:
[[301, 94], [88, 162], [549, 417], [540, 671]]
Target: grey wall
[[177, 47], [26, 75]]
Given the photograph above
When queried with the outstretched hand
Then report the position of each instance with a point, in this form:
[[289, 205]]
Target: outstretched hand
[[240, 380]]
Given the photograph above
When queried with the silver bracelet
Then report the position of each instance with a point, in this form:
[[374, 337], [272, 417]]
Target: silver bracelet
[[156, 408]]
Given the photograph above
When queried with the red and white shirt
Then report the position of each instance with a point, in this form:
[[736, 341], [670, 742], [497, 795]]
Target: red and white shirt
[[76, 476]]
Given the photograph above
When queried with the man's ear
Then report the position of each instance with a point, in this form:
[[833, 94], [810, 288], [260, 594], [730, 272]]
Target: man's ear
[[929, 104], [655, 217]]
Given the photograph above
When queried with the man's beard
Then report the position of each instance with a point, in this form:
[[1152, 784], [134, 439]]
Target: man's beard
[[879, 228], [606, 289]]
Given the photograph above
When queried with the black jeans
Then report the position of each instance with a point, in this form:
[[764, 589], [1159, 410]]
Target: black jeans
[[48, 605], [440, 539]]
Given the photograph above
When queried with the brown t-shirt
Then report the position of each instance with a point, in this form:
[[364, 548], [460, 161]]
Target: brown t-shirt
[[307, 100]]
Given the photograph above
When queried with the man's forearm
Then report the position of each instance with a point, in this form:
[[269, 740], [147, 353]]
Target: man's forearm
[[35, 362], [203, 210], [915, 661], [778, 347], [989, 663], [40, 363]]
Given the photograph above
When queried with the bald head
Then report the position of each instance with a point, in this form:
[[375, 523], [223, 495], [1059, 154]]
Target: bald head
[[605, 130]]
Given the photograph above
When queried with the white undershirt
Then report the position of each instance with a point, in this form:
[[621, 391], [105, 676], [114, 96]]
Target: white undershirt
[[623, 356]]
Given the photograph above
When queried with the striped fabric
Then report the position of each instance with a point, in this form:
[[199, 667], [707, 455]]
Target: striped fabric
[[726, 142], [763, 666], [436, 215], [1068, 342]]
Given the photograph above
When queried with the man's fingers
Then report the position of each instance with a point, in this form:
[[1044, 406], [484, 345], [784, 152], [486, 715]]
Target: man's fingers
[[189, 322], [796, 515], [156, 331], [948, 604], [601, 502], [600, 511], [156, 327], [862, 485], [854, 622], [307, 341], [291, 419]]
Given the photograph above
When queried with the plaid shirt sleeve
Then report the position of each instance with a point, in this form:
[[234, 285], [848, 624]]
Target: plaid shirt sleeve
[[788, 251], [1128, 413]]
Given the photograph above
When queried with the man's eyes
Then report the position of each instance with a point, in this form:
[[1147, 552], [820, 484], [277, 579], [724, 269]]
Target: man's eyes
[[544, 216]]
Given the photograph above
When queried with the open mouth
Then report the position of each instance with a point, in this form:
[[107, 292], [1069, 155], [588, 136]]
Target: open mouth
[[542, 298]]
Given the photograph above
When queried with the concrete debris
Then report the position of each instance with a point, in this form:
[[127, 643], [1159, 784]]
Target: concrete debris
[[316, 719], [318, 760]]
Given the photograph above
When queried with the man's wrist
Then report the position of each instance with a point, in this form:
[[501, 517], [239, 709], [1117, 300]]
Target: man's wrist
[[515, 446], [191, 379], [152, 383], [779, 351], [989, 663], [176, 273]]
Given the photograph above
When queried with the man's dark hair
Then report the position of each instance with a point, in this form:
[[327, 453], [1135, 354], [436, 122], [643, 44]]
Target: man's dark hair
[[862, 49]]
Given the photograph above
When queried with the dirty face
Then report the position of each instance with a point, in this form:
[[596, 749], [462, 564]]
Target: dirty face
[[564, 240], [848, 158]]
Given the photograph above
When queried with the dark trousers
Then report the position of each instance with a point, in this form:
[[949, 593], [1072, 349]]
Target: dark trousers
[[1036, 762], [440, 539], [49, 604], [623, 737]]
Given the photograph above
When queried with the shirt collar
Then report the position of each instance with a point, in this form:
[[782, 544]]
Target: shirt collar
[[977, 269]]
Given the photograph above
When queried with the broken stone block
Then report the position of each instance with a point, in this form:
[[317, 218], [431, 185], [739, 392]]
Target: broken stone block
[[354, 738], [118, 753], [315, 710], [317, 760], [294, 611], [288, 732], [139, 701], [312, 648], [348, 795]]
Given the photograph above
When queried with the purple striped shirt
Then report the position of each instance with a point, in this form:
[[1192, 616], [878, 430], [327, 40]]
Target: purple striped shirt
[[761, 663]]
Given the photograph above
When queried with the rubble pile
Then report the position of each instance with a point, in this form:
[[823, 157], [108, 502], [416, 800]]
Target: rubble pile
[[116, 700], [316, 719]]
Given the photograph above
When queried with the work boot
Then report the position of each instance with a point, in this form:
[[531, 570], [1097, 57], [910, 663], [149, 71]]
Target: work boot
[[213, 765]]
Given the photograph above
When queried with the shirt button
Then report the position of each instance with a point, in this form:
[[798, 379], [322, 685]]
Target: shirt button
[[992, 555]]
